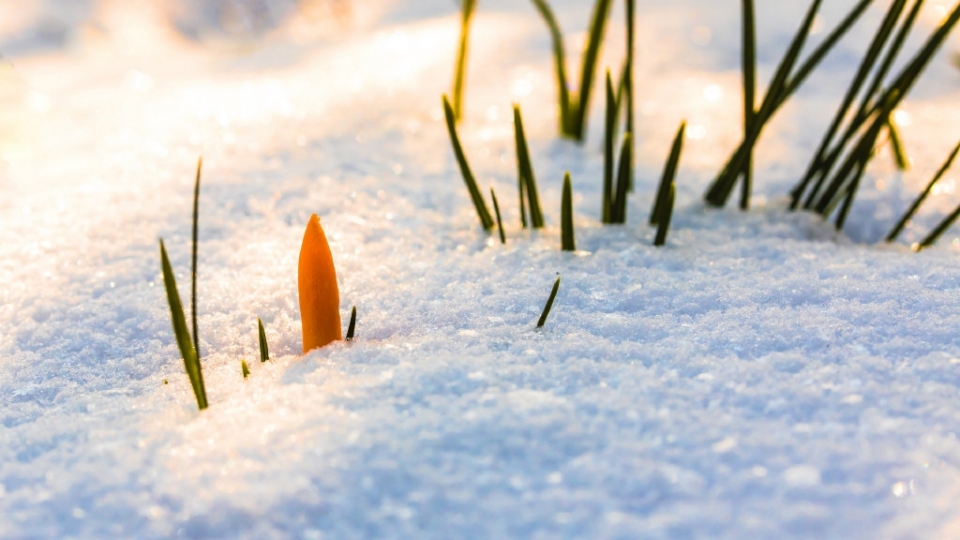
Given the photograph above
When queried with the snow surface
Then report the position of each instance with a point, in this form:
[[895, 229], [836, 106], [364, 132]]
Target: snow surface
[[759, 377]]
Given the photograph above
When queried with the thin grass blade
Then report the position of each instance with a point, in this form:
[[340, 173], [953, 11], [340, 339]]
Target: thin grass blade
[[496, 211], [939, 230], [485, 218], [668, 177], [191, 362], [908, 215], [664, 225], [193, 258], [559, 59], [262, 338], [468, 7], [546, 308], [525, 170], [609, 135], [352, 327], [244, 369], [619, 214], [601, 12], [749, 92], [567, 240], [900, 158]]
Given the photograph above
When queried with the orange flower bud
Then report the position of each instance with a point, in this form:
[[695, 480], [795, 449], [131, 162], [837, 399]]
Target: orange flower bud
[[319, 294]]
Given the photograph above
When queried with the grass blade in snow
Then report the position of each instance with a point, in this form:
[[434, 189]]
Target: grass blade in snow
[[559, 58], [939, 230], [908, 215], [664, 222], [352, 327], [525, 171], [191, 362], [193, 259], [749, 92], [262, 335], [468, 8], [608, 143], [546, 308], [567, 241], [669, 176], [496, 210], [244, 369], [485, 219], [619, 213], [628, 70]]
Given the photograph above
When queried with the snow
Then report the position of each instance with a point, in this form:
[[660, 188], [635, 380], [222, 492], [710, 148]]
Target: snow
[[759, 377]]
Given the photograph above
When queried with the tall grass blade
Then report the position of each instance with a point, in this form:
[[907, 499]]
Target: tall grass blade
[[352, 327], [467, 13], [851, 194], [525, 170], [908, 215], [601, 12], [749, 92], [567, 241], [262, 337], [664, 222], [191, 361], [630, 16], [619, 214], [485, 218], [900, 158], [939, 230], [496, 211], [244, 369], [559, 57], [609, 135], [546, 308], [193, 258], [668, 177]]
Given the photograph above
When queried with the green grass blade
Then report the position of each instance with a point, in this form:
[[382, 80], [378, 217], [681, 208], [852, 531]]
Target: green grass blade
[[193, 259], [244, 369], [664, 226], [939, 230], [568, 243], [668, 177], [546, 308], [601, 12], [609, 134], [559, 58], [851, 194], [352, 327], [467, 14], [900, 158], [485, 218], [525, 170], [496, 211], [628, 70], [749, 91], [191, 361], [908, 215], [262, 335], [619, 213]]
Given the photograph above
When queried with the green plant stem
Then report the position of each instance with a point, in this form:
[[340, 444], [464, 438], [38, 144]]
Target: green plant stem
[[900, 158], [467, 13], [939, 230], [664, 222], [191, 361], [244, 369], [908, 215], [668, 177], [568, 243], [619, 213], [546, 308], [749, 92], [485, 218], [496, 211], [193, 258], [609, 135], [525, 171], [352, 327], [262, 338]]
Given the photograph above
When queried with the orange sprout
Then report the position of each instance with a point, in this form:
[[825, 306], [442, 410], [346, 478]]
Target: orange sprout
[[319, 295]]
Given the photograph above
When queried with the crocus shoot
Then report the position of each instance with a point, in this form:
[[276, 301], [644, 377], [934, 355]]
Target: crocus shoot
[[319, 294]]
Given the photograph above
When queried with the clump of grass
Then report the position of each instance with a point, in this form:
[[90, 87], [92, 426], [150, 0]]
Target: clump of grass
[[352, 327], [785, 82], [573, 105], [567, 241], [191, 359], [262, 335], [849, 154], [189, 347], [244, 369], [496, 211], [908, 215], [546, 308], [485, 218], [526, 182], [467, 9]]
